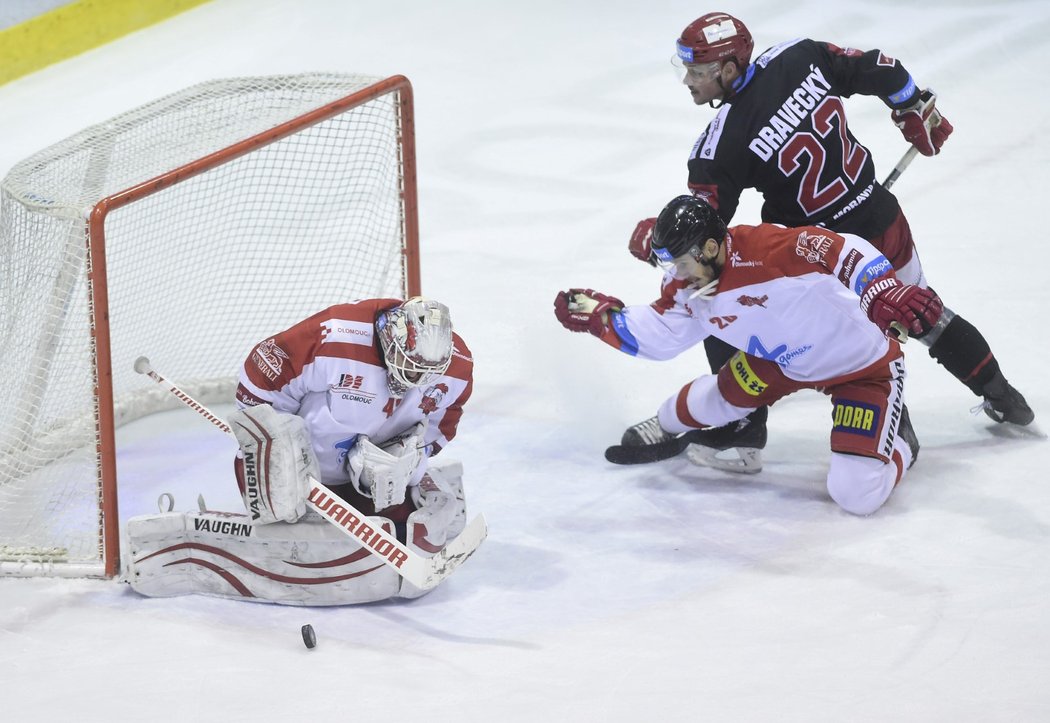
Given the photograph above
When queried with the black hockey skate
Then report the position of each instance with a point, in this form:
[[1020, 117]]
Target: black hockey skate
[[647, 442], [907, 433], [1003, 403], [744, 440]]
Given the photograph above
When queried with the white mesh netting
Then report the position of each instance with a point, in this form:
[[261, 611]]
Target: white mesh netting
[[197, 273]]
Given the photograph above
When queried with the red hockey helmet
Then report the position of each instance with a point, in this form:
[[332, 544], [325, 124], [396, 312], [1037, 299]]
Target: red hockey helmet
[[716, 37]]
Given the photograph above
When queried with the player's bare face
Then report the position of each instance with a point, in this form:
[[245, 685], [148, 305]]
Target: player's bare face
[[702, 80]]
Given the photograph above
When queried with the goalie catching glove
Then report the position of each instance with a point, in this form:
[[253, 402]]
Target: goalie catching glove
[[585, 310], [901, 309], [922, 125], [278, 462], [384, 472]]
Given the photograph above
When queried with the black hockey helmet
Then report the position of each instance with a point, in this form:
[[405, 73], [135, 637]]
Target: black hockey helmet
[[685, 224]]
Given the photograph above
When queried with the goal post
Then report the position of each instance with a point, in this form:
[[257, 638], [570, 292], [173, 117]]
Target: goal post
[[188, 229]]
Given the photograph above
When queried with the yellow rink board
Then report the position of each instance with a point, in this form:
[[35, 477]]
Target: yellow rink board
[[78, 26]]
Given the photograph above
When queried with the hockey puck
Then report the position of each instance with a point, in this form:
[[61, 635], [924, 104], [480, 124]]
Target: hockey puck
[[309, 636]]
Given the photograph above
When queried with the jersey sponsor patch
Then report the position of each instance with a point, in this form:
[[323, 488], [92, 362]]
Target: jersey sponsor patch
[[768, 55], [856, 418], [628, 344], [813, 247], [878, 267], [904, 93], [707, 145], [344, 331], [745, 376], [849, 263], [269, 358], [737, 261], [755, 347], [348, 387], [787, 357]]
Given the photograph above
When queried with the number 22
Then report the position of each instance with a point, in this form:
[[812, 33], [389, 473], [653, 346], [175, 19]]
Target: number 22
[[811, 198]]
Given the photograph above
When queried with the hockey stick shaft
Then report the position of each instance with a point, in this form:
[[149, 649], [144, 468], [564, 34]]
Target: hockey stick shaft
[[902, 164], [423, 572]]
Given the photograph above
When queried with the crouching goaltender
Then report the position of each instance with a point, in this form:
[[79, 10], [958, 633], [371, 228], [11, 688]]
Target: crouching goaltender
[[358, 396]]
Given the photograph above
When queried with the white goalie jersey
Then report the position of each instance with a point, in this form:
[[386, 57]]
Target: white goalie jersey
[[328, 370]]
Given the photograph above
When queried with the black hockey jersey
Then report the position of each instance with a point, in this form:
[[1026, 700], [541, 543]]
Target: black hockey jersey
[[784, 133]]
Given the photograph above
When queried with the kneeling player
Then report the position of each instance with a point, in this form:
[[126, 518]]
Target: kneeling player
[[359, 396], [800, 302]]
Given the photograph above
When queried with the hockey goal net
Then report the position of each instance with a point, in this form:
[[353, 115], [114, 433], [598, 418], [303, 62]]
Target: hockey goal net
[[187, 229]]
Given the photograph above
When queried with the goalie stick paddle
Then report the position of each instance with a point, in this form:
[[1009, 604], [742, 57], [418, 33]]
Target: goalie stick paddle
[[423, 572]]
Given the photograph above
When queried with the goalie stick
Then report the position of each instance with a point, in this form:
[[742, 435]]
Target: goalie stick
[[423, 572]]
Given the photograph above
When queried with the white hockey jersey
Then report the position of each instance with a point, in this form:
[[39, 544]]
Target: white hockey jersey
[[788, 295], [328, 369]]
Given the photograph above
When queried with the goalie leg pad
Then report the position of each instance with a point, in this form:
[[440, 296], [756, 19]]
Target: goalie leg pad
[[223, 555], [278, 462]]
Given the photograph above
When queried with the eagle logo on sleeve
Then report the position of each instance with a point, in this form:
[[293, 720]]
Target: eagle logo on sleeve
[[270, 358], [432, 398]]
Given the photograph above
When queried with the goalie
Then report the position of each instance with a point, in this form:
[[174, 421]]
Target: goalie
[[358, 396]]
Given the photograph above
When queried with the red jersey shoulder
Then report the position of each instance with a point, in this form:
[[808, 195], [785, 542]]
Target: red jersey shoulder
[[756, 254], [462, 366]]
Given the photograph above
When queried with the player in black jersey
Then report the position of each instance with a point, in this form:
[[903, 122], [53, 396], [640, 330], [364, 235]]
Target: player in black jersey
[[781, 129]]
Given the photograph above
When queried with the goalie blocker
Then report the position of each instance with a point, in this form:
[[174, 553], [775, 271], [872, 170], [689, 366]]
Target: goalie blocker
[[223, 554]]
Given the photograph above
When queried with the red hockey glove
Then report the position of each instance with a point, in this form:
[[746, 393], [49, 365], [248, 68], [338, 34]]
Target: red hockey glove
[[901, 309], [641, 243], [922, 125], [585, 310]]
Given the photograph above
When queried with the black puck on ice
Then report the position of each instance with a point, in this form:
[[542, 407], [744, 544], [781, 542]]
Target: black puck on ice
[[309, 636]]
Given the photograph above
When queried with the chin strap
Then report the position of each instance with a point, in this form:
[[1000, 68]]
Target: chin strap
[[706, 291]]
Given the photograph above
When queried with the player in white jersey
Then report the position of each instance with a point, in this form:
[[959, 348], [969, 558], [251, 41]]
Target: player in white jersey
[[358, 396], [379, 386], [798, 304]]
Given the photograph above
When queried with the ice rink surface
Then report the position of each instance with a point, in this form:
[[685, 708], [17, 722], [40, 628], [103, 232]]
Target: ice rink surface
[[656, 593]]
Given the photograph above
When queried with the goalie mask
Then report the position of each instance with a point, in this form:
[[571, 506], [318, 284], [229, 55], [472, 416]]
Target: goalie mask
[[416, 339]]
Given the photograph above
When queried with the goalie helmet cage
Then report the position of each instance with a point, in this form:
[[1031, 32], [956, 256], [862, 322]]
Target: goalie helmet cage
[[189, 230]]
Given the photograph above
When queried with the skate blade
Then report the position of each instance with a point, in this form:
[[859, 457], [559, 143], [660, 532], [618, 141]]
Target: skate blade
[[740, 460], [1017, 431]]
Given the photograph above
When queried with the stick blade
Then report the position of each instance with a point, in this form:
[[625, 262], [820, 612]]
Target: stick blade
[[455, 553], [645, 453]]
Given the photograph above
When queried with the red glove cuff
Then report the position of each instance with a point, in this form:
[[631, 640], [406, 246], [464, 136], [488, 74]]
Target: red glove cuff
[[641, 243]]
